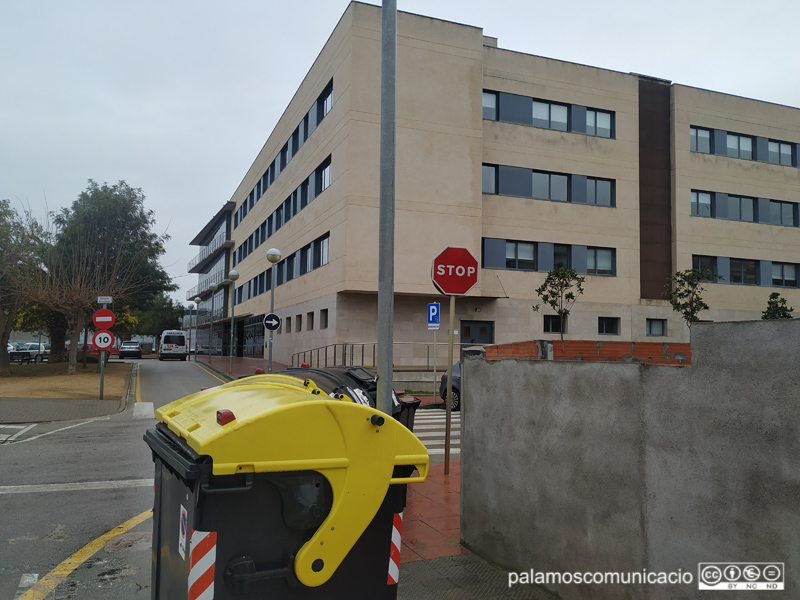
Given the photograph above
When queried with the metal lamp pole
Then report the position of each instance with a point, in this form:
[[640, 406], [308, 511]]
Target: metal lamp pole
[[197, 300], [213, 288], [273, 256], [233, 275], [189, 349]]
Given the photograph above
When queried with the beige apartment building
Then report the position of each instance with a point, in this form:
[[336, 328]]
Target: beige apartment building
[[529, 162]]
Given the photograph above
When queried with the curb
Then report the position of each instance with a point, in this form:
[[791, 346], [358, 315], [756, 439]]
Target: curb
[[217, 372], [130, 389]]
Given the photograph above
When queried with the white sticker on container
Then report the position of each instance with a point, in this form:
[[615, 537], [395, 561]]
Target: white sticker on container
[[182, 538]]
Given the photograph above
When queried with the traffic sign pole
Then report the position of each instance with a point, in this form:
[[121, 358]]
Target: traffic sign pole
[[448, 402]]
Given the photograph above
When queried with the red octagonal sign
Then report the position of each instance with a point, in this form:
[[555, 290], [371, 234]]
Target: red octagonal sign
[[455, 271]]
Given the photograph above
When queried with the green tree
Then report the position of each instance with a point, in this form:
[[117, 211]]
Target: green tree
[[103, 245], [559, 291], [159, 314], [684, 290], [777, 308], [19, 242]]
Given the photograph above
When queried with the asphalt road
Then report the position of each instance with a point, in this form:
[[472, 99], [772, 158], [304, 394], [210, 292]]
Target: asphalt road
[[62, 491]]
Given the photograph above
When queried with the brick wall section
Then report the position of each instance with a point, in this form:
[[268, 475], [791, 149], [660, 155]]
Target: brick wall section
[[600, 351]]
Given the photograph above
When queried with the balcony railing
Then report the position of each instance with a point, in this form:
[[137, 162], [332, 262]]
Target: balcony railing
[[421, 355], [204, 284], [215, 244]]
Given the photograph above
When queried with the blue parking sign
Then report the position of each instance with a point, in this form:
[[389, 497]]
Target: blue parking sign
[[433, 313]]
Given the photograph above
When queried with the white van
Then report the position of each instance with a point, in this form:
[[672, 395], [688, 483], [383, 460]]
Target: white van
[[172, 345]]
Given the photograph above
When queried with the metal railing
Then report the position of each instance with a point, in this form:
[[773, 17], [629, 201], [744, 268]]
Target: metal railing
[[204, 284], [207, 251], [410, 355]]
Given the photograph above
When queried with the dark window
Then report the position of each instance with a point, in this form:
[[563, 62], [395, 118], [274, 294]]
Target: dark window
[[740, 146], [288, 324], [290, 268], [278, 220], [552, 324], [323, 318], [296, 140], [598, 123], [489, 179], [561, 256], [608, 325], [490, 106], [701, 204], [780, 153], [303, 194], [700, 140], [310, 321], [600, 261], [656, 327], [741, 208], [550, 116], [284, 156], [784, 274], [304, 264], [551, 186], [743, 271], [521, 256], [298, 320], [704, 263], [599, 192], [781, 213]]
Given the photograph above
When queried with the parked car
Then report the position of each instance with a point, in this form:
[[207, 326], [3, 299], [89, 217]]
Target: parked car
[[38, 352], [92, 353], [456, 402], [130, 349]]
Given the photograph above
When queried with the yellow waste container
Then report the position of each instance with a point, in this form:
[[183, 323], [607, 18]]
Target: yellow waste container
[[267, 487]]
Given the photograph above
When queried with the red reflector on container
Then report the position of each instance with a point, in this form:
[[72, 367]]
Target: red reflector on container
[[203, 389], [225, 416], [259, 371]]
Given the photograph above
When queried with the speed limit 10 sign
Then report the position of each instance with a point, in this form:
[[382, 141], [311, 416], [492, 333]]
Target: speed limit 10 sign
[[103, 339]]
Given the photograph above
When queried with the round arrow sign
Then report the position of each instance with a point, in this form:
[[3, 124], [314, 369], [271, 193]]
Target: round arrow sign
[[272, 321], [103, 340]]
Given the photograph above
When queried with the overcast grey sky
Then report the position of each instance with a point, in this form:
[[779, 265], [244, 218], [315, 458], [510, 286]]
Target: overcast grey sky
[[177, 97]]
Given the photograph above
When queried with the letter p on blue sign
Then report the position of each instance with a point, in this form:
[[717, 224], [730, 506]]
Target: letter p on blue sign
[[433, 313]]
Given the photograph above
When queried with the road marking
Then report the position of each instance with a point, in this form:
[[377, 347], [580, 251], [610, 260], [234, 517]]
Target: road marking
[[196, 364], [19, 430], [36, 437], [50, 581], [138, 386], [74, 487], [144, 410], [27, 581]]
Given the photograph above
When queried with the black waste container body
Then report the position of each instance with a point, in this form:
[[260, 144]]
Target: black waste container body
[[237, 535]]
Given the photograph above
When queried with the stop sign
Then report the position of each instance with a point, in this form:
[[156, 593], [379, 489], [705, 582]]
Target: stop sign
[[103, 318], [454, 271]]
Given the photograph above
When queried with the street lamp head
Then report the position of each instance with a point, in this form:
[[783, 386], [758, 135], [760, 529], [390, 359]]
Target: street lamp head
[[191, 306], [233, 275], [213, 287], [273, 255], [197, 300]]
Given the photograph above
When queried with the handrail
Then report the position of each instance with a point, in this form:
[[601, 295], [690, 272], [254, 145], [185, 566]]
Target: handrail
[[203, 285], [207, 251], [364, 354]]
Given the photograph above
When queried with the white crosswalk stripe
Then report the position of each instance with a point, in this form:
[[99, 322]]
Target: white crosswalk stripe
[[16, 431], [429, 427]]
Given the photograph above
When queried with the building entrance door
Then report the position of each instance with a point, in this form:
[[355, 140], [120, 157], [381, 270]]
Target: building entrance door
[[477, 332]]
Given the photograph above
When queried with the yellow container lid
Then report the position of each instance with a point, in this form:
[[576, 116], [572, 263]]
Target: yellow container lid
[[274, 423]]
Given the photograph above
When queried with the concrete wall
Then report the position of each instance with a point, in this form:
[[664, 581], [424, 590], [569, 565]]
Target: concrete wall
[[622, 467]]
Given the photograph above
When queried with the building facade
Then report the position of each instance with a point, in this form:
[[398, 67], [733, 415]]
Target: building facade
[[531, 163]]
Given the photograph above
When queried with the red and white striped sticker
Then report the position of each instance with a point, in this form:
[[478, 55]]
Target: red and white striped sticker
[[202, 559], [394, 553]]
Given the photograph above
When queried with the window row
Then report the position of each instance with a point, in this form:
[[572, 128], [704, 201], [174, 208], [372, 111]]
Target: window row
[[313, 117], [542, 185], [523, 110], [517, 255], [718, 205], [309, 257], [748, 271], [605, 325], [747, 147], [312, 187], [287, 324]]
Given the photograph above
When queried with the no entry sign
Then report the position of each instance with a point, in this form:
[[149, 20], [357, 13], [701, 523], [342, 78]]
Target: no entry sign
[[454, 271], [103, 318]]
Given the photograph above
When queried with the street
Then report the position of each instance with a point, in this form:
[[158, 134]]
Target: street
[[65, 485]]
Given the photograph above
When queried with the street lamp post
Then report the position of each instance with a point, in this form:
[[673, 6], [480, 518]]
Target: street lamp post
[[189, 349], [273, 256], [233, 275], [213, 288], [197, 300]]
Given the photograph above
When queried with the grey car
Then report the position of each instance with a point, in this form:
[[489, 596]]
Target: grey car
[[130, 349], [456, 403]]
